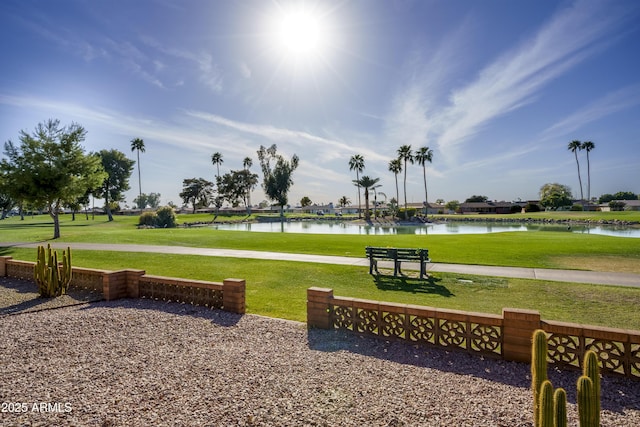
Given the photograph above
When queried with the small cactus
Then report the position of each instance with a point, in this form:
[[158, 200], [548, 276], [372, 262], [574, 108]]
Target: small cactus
[[586, 407], [538, 370], [560, 408], [545, 405], [592, 370], [52, 277]]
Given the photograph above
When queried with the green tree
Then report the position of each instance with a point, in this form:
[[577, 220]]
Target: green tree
[[137, 145], [277, 179], [424, 155], [6, 203], [197, 191], [366, 183], [625, 195], [588, 146], [151, 200], [118, 168], [50, 168], [305, 202], [477, 199], [575, 146], [236, 186], [405, 155], [356, 163], [555, 195], [452, 205], [395, 166]]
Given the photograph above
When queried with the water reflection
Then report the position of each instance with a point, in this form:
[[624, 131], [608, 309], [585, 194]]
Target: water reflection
[[319, 227]]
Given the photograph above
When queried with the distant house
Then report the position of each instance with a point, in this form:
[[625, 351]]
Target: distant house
[[629, 205], [486, 207]]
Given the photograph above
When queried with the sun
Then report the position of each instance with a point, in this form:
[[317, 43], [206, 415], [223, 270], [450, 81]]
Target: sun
[[299, 33]]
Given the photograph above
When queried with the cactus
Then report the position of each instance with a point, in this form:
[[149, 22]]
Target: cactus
[[52, 277], [592, 370], [545, 405], [560, 408], [586, 407], [588, 389], [538, 370]]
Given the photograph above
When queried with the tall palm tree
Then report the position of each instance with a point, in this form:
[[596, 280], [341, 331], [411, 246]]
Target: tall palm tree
[[216, 159], [366, 183], [137, 144], [406, 155], [247, 163], [424, 155], [576, 146], [588, 146], [356, 163], [395, 166]]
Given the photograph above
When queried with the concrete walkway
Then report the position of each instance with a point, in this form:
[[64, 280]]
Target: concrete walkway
[[576, 276]]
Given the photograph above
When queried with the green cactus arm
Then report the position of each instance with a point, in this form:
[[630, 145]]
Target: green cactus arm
[[545, 405], [586, 409], [591, 369], [560, 408], [538, 369]]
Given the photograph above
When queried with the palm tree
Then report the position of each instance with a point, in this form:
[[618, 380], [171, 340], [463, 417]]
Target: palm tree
[[395, 166], [344, 201], [356, 163], [366, 183], [406, 155], [137, 145], [216, 159], [588, 146], [576, 146], [247, 163], [424, 155]]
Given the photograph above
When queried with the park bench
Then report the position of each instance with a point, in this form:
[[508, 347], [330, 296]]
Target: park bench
[[397, 255]]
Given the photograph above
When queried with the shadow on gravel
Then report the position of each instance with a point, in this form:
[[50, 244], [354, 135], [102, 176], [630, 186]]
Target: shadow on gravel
[[216, 316], [618, 393], [412, 284], [21, 296]]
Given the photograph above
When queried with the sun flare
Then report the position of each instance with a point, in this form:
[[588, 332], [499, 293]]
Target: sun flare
[[299, 33]]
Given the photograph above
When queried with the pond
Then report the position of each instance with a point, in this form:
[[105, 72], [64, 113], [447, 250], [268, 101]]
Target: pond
[[332, 227]]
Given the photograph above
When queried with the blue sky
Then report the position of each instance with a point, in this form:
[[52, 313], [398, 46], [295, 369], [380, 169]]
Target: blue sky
[[496, 88]]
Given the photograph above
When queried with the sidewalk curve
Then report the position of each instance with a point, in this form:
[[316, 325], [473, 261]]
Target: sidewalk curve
[[576, 276]]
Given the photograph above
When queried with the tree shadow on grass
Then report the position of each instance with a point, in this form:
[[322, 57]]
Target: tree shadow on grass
[[428, 285]]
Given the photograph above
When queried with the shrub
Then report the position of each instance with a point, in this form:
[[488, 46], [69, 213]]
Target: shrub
[[411, 212], [166, 217], [532, 207], [147, 219], [576, 207]]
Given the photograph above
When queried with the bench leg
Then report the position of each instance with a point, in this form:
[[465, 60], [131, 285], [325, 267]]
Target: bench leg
[[396, 269], [373, 264]]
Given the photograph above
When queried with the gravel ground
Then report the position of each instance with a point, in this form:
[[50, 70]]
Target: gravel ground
[[150, 363]]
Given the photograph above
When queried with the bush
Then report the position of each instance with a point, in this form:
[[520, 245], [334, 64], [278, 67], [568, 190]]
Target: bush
[[166, 217], [532, 207], [147, 219], [411, 212], [576, 207]]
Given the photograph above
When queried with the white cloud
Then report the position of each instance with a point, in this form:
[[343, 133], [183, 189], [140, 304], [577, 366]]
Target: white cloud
[[611, 103]]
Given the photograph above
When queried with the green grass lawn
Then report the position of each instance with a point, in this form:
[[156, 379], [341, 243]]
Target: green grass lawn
[[278, 289], [543, 249]]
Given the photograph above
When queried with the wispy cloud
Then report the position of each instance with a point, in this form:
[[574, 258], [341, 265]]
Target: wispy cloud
[[281, 135], [611, 103], [513, 80]]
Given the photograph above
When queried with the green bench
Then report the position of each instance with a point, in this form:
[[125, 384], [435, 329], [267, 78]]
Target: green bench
[[397, 255]]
